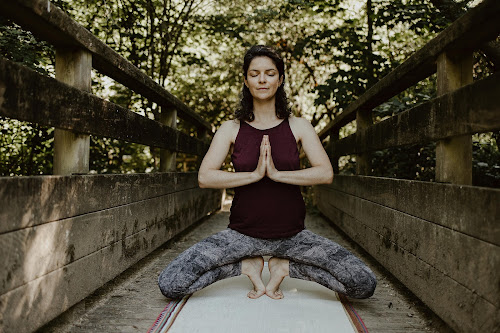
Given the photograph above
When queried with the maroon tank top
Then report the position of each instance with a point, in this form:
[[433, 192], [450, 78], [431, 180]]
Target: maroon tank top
[[266, 209]]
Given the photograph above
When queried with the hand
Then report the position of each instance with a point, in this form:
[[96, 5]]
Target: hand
[[271, 170], [260, 171]]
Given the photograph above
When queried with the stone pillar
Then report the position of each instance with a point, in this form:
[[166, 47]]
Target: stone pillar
[[168, 158], [72, 150], [454, 154]]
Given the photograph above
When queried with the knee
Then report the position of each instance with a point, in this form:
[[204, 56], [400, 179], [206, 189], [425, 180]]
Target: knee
[[169, 288], [365, 285]]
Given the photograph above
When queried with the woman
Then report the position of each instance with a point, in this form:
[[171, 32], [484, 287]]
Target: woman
[[268, 211]]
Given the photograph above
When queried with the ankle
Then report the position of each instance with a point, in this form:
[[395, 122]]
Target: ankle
[[279, 266], [250, 266]]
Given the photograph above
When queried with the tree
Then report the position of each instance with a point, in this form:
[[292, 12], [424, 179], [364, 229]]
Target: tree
[[334, 50]]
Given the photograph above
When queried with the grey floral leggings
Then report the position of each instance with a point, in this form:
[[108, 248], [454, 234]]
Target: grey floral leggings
[[311, 257]]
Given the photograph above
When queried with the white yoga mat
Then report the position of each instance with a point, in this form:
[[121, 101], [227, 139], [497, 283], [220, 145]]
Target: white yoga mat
[[224, 307]]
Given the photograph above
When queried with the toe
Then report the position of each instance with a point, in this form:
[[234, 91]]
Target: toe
[[254, 294]]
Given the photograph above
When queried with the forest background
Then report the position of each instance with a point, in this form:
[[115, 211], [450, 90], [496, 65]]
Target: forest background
[[334, 50]]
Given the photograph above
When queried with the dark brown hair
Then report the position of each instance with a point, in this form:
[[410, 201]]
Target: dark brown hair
[[245, 112]]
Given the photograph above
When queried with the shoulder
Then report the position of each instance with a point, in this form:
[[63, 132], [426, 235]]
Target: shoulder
[[300, 126], [299, 121], [229, 129]]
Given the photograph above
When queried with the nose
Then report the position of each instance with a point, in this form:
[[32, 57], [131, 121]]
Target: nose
[[262, 78]]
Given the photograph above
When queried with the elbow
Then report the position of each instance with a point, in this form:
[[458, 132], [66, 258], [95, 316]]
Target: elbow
[[329, 176], [201, 180]]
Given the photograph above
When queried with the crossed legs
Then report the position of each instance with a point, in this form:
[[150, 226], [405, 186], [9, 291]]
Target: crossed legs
[[304, 256]]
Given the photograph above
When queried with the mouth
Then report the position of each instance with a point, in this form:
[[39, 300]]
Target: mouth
[[262, 88]]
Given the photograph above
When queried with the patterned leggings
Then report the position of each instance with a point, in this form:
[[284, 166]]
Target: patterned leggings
[[311, 257]]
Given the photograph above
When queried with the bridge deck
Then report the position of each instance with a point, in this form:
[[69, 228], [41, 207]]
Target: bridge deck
[[131, 302]]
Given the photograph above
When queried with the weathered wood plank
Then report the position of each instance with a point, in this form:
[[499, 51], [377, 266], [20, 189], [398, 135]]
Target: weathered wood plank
[[168, 158], [72, 150], [463, 309], [50, 23], [474, 108], [478, 25], [430, 243], [49, 102], [454, 154], [28, 307], [363, 161], [30, 201], [33, 252], [474, 211]]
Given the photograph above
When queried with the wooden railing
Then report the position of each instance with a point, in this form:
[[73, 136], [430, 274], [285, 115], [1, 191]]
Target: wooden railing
[[64, 236], [441, 239]]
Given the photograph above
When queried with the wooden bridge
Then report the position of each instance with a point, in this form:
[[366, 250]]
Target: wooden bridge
[[64, 236]]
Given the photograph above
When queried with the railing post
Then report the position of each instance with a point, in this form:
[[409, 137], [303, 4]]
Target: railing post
[[334, 159], [363, 160], [201, 134], [454, 155], [168, 158], [72, 150]]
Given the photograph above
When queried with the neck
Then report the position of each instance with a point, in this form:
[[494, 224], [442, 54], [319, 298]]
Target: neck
[[264, 110]]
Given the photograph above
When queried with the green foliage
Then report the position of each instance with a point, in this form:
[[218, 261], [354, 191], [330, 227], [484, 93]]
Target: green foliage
[[22, 47], [486, 160], [334, 50], [113, 156], [25, 149], [412, 162]]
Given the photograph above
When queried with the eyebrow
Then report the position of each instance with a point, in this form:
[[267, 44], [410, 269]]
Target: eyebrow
[[267, 70]]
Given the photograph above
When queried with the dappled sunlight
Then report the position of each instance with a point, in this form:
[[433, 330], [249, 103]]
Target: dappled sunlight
[[404, 92]]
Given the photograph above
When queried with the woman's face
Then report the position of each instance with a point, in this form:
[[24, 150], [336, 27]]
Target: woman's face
[[263, 78]]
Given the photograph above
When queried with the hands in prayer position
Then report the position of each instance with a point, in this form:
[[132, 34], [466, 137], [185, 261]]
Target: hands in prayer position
[[265, 165]]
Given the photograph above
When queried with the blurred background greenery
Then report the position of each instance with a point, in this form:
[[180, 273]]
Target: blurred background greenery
[[334, 50]]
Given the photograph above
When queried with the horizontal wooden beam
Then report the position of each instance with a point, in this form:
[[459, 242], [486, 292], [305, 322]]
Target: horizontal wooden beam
[[478, 25], [50, 23], [474, 108], [426, 240], [412, 227], [76, 237], [29, 96], [458, 305], [45, 278], [32, 201], [432, 202]]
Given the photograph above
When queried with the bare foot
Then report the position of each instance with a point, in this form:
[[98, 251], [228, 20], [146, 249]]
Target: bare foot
[[279, 268], [252, 267]]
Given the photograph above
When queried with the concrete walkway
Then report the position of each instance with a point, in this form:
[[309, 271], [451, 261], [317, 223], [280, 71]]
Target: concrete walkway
[[131, 302]]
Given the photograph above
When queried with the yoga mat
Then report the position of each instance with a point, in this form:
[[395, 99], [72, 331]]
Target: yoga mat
[[224, 307]]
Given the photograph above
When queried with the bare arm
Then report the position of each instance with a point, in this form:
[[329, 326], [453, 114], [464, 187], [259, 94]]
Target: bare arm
[[320, 172], [210, 175]]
